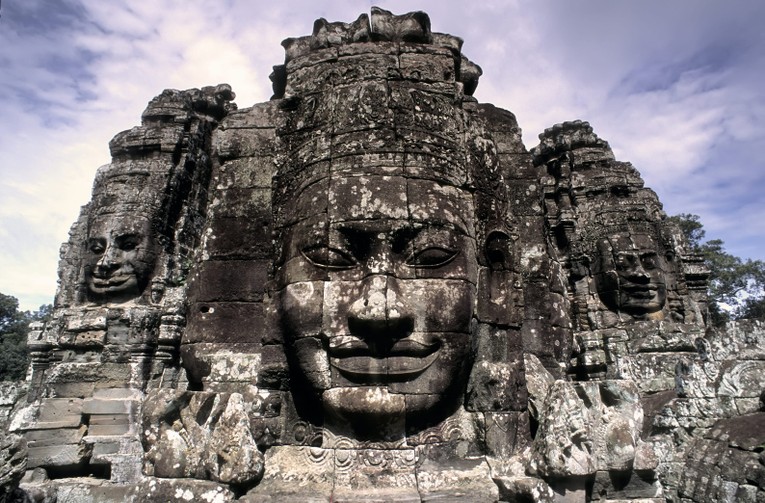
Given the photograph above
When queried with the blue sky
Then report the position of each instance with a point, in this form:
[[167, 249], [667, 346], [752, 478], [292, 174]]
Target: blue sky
[[675, 87]]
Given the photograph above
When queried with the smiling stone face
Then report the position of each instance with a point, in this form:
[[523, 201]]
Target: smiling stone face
[[119, 257], [377, 295], [631, 275]]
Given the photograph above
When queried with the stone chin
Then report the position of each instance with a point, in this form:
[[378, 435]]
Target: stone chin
[[376, 413], [355, 402], [365, 413]]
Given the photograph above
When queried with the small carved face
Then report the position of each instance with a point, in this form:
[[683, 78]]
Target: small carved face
[[632, 274], [119, 256], [377, 295]]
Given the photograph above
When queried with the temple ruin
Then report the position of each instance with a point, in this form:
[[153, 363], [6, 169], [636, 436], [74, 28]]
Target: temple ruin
[[369, 289]]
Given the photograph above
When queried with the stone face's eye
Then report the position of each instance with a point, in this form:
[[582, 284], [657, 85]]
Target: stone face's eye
[[649, 261], [328, 258], [625, 261], [96, 246], [431, 257], [128, 242]]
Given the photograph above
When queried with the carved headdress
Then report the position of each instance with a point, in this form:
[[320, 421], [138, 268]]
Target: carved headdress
[[390, 107]]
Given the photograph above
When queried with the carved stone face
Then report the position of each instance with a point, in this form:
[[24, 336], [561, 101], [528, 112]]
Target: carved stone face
[[377, 296], [631, 277], [119, 256]]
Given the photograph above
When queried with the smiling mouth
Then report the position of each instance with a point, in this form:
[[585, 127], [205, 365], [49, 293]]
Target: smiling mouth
[[405, 360], [646, 292], [110, 282]]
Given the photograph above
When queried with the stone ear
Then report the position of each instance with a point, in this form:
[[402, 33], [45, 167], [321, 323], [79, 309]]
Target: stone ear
[[495, 296], [497, 251], [581, 265]]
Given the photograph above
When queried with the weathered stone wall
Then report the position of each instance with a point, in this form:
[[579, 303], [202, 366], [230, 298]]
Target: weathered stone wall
[[13, 452], [10, 394], [368, 288]]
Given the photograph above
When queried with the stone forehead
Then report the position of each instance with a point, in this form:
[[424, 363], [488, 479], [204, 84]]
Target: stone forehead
[[637, 240], [364, 197], [120, 221], [605, 225]]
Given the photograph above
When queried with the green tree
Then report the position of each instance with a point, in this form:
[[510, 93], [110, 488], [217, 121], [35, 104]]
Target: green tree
[[734, 282], [14, 325]]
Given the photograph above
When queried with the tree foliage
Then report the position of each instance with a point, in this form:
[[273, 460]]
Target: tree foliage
[[736, 286], [14, 325]]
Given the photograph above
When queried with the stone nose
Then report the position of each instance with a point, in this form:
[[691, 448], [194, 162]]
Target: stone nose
[[632, 268], [110, 259], [637, 273], [378, 316], [372, 302]]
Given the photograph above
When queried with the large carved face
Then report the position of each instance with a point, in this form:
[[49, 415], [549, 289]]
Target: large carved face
[[119, 256], [377, 296], [631, 275]]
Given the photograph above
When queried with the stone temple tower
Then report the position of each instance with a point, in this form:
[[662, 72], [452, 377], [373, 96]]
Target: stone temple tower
[[369, 289]]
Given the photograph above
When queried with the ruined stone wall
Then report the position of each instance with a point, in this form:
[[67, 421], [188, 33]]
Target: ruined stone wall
[[368, 288]]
